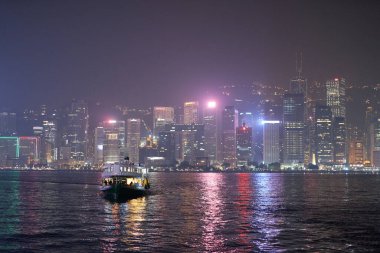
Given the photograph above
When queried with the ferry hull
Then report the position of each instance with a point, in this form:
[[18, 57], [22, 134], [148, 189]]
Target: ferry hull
[[118, 192]]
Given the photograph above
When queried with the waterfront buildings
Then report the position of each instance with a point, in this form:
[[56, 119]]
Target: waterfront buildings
[[336, 96], [210, 113], [271, 141], [161, 117], [324, 135], [229, 125], [244, 145], [114, 141], [133, 139], [293, 123], [76, 136]]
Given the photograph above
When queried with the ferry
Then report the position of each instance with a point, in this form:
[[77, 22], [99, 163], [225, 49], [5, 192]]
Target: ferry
[[124, 181]]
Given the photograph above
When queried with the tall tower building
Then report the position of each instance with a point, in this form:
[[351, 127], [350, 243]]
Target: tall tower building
[[29, 150], [77, 131], [376, 144], [99, 143], [271, 141], [191, 113], [210, 130], [161, 117], [340, 141], [133, 139], [370, 116], [50, 140], [114, 141], [324, 135], [229, 125], [244, 145], [294, 128], [336, 96]]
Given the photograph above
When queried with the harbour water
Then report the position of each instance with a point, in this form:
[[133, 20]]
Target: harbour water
[[58, 211]]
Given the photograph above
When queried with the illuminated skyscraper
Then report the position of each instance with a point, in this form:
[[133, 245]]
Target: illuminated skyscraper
[[376, 144], [340, 141], [167, 143], [244, 145], [336, 96], [193, 148], [229, 125], [191, 113], [99, 144], [29, 150], [133, 139], [50, 140], [77, 131], [161, 117], [271, 141], [294, 128], [356, 152], [114, 141], [210, 130], [324, 135]]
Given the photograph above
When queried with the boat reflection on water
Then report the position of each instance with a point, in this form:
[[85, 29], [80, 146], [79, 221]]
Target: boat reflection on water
[[124, 224]]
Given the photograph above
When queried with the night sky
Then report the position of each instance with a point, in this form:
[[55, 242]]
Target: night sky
[[163, 52]]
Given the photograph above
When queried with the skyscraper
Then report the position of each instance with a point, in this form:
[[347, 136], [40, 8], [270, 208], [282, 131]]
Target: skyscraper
[[167, 144], [271, 141], [191, 113], [114, 141], [193, 148], [77, 131], [133, 139], [50, 140], [336, 96], [29, 150], [210, 130], [376, 144], [161, 117], [229, 125], [99, 144], [324, 135], [243, 145], [340, 141], [294, 128]]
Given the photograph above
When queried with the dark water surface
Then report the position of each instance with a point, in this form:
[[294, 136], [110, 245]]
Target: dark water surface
[[56, 211]]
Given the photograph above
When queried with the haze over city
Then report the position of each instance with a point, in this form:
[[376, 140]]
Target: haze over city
[[173, 51]]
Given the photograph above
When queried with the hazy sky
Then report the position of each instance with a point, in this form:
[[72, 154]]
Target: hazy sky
[[161, 52]]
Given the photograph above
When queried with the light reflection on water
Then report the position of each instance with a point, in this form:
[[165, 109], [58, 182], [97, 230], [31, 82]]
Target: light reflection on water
[[212, 207], [191, 212]]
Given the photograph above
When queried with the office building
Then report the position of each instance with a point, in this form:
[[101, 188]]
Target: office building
[[133, 139], [161, 117], [271, 141], [293, 122], [229, 125], [340, 141], [336, 96], [324, 135], [243, 145], [210, 113]]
